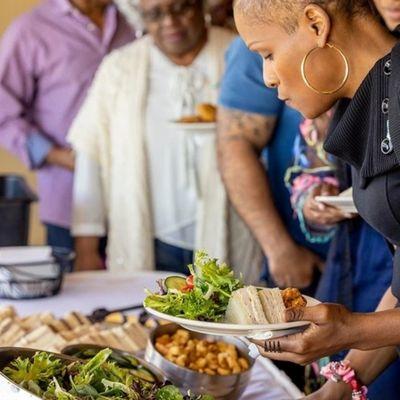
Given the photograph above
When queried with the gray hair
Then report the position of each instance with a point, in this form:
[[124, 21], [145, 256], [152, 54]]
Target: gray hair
[[267, 11], [285, 11], [130, 9]]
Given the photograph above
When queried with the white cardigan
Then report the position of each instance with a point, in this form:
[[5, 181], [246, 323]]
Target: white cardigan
[[110, 129]]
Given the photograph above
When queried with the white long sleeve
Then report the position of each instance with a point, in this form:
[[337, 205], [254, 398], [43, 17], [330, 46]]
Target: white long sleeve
[[88, 214]]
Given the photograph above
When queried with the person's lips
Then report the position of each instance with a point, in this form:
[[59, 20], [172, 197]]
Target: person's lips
[[393, 13], [284, 99], [174, 36]]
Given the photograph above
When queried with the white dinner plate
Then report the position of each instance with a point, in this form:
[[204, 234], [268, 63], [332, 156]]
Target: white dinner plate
[[204, 127], [259, 331], [343, 203]]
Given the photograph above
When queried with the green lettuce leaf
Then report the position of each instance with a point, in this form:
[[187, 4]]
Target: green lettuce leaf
[[169, 393], [36, 374], [213, 287]]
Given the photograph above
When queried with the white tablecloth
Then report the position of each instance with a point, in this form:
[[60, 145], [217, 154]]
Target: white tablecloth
[[87, 291]]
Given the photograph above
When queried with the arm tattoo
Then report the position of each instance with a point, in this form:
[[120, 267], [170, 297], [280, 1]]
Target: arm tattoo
[[236, 125]]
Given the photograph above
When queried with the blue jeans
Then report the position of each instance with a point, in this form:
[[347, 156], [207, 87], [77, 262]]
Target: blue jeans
[[171, 258], [59, 237]]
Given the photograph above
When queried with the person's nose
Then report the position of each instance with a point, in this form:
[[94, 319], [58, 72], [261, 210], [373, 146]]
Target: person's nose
[[169, 20], [270, 78]]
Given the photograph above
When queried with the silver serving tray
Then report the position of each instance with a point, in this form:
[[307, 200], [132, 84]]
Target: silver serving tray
[[229, 387]]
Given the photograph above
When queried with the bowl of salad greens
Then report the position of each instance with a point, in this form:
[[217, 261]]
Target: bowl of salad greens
[[31, 375], [138, 366], [202, 296]]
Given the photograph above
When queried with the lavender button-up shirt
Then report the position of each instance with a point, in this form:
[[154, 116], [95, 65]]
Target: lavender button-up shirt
[[48, 58]]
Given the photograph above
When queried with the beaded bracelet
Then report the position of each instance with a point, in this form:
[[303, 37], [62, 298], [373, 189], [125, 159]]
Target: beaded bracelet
[[340, 371], [311, 234]]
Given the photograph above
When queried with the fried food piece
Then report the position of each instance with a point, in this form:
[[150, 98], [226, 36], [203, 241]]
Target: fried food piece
[[293, 298], [204, 113], [207, 112], [208, 357]]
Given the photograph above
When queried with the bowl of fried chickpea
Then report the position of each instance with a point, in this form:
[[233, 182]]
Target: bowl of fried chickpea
[[203, 363]]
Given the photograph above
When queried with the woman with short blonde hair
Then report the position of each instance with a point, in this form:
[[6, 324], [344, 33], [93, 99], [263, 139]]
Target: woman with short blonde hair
[[317, 53]]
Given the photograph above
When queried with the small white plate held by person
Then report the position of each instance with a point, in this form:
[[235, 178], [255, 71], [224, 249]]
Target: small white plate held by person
[[213, 301], [343, 202]]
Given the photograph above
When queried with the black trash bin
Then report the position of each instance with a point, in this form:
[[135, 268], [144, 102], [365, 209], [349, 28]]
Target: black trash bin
[[15, 200]]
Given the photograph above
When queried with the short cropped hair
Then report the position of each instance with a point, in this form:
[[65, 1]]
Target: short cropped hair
[[286, 11]]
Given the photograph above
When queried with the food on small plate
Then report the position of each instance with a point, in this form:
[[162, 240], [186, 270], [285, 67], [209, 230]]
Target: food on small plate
[[207, 112], [204, 356], [213, 294], [245, 307], [175, 282], [51, 378], [273, 305], [204, 295], [293, 298], [250, 305], [204, 113]]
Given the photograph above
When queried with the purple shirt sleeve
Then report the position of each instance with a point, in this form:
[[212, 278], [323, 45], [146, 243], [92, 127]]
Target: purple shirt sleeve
[[38, 148], [17, 90]]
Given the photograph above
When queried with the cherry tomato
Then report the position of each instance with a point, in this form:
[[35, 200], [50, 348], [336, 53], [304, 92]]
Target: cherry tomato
[[190, 281]]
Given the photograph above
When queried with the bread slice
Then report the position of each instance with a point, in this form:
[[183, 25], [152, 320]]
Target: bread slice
[[14, 333], [46, 332], [54, 323], [31, 323], [273, 305], [5, 325], [7, 312], [72, 320], [126, 343], [137, 333], [81, 318], [245, 307]]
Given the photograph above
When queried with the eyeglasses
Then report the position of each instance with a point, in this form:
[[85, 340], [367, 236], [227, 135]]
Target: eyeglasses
[[177, 9]]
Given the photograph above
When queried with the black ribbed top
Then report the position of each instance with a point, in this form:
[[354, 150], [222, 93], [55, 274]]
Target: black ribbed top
[[360, 126]]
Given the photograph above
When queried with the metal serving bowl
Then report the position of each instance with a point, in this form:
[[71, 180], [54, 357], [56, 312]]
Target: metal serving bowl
[[78, 351], [10, 390], [228, 387]]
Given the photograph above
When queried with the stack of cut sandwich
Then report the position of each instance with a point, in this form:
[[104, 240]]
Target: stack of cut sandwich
[[251, 305], [46, 332]]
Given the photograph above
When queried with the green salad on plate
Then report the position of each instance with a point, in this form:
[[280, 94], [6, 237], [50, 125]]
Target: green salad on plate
[[203, 295]]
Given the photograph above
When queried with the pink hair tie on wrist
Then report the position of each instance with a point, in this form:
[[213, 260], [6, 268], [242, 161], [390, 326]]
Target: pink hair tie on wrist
[[340, 371]]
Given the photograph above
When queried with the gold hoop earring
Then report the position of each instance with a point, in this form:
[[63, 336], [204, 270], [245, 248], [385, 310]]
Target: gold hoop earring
[[307, 82]]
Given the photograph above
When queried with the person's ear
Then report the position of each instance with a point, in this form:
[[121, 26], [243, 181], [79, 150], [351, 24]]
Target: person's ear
[[318, 22]]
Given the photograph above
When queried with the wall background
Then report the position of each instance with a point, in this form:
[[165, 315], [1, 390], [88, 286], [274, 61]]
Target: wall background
[[10, 9]]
